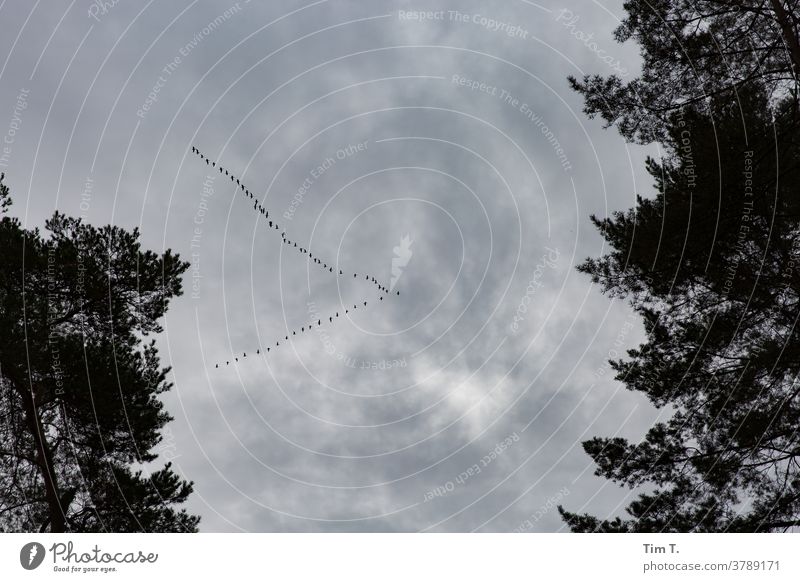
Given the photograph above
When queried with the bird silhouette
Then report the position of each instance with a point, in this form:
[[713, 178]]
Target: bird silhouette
[[274, 225]]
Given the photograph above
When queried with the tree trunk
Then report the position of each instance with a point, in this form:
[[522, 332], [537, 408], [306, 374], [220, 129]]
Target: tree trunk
[[44, 458]]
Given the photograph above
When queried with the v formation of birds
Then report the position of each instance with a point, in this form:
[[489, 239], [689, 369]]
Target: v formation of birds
[[272, 224]]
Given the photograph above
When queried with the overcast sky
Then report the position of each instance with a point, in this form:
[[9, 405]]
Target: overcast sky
[[460, 404]]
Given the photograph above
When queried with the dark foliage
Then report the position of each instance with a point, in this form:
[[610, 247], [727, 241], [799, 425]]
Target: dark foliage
[[79, 399], [712, 265]]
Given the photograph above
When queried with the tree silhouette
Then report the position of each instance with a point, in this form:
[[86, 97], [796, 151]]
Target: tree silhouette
[[694, 49], [712, 265], [79, 407]]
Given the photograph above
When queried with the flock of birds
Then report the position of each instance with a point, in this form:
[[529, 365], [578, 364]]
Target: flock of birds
[[273, 225]]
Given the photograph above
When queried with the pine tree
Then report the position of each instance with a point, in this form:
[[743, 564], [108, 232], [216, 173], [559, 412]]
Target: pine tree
[[712, 265], [80, 413]]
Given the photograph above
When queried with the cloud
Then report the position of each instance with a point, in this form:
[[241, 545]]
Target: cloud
[[349, 426]]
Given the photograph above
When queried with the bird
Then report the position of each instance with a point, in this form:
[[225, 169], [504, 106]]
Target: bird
[[244, 355], [217, 366], [259, 351], [398, 292], [365, 302], [267, 349]]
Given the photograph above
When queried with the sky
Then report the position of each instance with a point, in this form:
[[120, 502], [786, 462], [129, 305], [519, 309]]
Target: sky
[[434, 146]]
